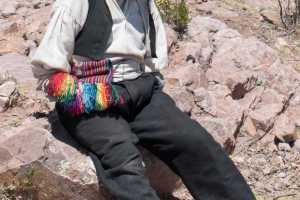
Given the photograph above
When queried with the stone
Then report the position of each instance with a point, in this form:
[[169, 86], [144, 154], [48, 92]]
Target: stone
[[244, 54], [272, 96], [184, 100], [282, 77], [284, 147], [12, 44], [6, 90], [221, 129], [204, 101], [270, 16], [218, 11], [8, 7], [250, 127], [297, 145], [261, 5], [236, 62], [58, 166], [214, 101], [7, 26], [224, 35], [172, 37], [20, 68], [188, 75], [3, 103], [284, 129], [200, 24], [36, 24], [264, 116]]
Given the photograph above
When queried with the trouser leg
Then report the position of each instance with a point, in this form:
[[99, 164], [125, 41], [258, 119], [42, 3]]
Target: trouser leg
[[189, 150], [109, 139]]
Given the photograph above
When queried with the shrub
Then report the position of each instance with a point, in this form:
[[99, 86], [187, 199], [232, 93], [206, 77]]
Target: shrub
[[289, 13], [176, 14]]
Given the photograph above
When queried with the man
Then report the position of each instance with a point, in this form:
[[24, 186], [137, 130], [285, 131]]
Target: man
[[123, 42]]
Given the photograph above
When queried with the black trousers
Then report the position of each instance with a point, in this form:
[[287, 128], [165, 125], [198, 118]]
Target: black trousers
[[150, 117]]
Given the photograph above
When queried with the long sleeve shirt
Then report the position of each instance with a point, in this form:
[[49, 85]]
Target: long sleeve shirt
[[129, 50]]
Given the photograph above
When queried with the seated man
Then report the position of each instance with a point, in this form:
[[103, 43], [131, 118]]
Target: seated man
[[100, 60]]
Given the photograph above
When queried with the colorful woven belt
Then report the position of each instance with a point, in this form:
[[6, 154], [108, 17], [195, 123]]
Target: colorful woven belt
[[86, 89]]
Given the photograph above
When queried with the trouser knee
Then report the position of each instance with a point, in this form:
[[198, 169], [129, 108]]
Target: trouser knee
[[124, 155]]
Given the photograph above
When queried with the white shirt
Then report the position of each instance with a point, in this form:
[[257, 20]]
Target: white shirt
[[67, 19]]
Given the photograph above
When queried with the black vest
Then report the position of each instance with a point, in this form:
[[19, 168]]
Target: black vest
[[93, 39]]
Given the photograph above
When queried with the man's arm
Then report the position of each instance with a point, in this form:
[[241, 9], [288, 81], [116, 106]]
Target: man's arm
[[56, 48]]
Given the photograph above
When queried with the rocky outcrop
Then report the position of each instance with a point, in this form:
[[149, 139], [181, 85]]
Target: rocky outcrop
[[236, 86], [234, 80], [52, 164]]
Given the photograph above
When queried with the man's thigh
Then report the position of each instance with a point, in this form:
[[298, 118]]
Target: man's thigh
[[99, 132], [167, 131]]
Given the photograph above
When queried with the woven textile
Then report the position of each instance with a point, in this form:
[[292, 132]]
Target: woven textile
[[88, 88]]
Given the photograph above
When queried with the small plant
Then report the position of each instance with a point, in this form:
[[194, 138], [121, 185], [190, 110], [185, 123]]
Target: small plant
[[177, 14], [289, 13], [28, 180]]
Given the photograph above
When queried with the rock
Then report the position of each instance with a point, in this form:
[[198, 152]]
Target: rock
[[204, 101], [297, 145], [184, 100], [218, 11], [236, 62], [281, 43], [221, 130], [224, 35], [270, 16], [250, 127], [6, 90], [57, 166], [8, 7], [12, 44], [285, 129], [30, 48], [247, 53], [172, 37], [243, 54], [189, 53], [20, 68], [272, 96], [7, 26], [201, 24], [223, 104], [284, 147], [261, 5], [283, 78], [264, 116], [205, 55], [36, 24], [188, 75]]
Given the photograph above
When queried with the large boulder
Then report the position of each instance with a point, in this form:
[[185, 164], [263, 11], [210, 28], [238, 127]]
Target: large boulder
[[42, 159], [240, 84]]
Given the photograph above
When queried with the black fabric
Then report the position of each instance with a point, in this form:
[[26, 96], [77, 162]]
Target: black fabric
[[152, 37], [150, 118], [95, 36]]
